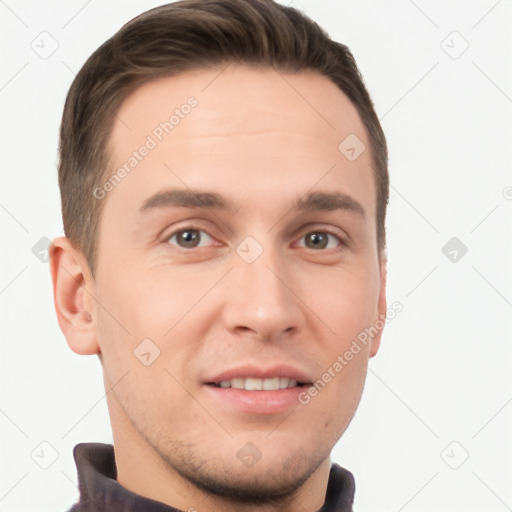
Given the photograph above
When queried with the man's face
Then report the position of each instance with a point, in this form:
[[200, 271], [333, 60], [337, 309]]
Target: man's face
[[258, 289]]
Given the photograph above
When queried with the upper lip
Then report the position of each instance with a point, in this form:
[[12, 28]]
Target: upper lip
[[259, 372]]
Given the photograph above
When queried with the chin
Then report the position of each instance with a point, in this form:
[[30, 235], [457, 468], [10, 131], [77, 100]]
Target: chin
[[259, 483], [249, 485]]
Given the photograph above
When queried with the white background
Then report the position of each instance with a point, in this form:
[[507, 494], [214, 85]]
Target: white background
[[443, 372]]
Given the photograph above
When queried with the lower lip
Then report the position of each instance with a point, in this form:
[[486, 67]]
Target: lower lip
[[258, 402]]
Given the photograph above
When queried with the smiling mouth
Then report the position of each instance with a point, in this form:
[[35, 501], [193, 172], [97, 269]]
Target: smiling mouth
[[255, 384]]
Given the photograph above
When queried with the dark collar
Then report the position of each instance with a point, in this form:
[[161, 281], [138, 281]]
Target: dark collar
[[100, 491]]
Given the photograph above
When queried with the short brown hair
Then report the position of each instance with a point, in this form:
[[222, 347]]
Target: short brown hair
[[181, 36]]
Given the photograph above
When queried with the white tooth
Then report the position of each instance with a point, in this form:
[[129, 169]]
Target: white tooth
[[238, 383], [292, 383], [271, 384], [283, 382], [253, 384], [225, 384]]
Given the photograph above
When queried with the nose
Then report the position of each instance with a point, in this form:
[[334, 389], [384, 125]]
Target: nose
[[263, 301]]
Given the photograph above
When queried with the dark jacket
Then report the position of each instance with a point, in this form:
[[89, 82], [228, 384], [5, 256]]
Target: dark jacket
[[100, 491]]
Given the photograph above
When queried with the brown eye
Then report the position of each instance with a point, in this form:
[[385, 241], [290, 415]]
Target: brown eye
[[189, 238], [322, 240], [316, 240]]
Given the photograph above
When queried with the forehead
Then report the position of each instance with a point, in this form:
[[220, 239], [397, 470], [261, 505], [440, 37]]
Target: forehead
[[245, 99], [252, 129]]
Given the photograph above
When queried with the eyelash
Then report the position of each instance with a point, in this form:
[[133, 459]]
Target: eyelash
[[342, 242]]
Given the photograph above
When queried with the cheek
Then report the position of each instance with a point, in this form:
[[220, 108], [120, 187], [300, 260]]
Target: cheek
[[147, 329], [147, 303], [347, 306], [143, 373], [345, 301]]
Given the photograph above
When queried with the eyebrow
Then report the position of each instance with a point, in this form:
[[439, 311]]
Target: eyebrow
[[313, 201], [186, 199], [328, 201]]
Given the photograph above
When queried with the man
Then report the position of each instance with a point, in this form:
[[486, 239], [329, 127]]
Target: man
[[224, 186]]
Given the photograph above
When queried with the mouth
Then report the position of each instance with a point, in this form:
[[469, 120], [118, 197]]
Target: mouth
[[257, 384], [254, 390]]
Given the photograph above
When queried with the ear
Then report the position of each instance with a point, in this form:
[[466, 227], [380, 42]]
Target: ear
[[381, 305], [72, 295]]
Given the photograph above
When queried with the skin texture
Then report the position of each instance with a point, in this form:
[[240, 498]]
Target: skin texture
[[262, 139]]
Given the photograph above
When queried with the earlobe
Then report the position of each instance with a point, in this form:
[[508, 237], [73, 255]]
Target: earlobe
[[381, 306], [73, 306]]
